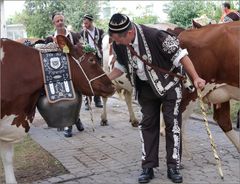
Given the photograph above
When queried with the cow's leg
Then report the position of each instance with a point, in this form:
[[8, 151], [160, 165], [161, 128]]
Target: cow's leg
[[104, 113], [238, 119], [6, 150], [185, 116], [162, 125], [222, 95], [128, 99], [222, 116]]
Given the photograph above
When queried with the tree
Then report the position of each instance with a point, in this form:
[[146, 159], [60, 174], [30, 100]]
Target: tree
[[76, 10], [38, 16], [144, 15], [17, 18], [182, 12]]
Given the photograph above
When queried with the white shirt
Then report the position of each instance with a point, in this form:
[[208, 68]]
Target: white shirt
[[90, 40], [140, 65]]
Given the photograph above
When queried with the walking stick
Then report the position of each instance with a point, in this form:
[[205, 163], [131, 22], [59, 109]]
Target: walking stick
[[213, 146], [91, 114]]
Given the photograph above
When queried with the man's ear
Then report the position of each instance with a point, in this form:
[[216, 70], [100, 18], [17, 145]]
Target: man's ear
[[64, 44], [131, 32]]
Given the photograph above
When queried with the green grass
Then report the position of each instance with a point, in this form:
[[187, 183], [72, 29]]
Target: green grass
[[235, 107], [32, 163]]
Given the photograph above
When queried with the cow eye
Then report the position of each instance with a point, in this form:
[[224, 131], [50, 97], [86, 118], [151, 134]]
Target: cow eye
[[91, 60]]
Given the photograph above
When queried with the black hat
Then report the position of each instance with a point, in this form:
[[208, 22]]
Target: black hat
[[56, 13], [119, 23], [88, 16]]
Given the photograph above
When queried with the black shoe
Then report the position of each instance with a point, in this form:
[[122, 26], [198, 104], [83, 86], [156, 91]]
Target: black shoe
[[98, 104], [68, 131], [79, 125], [146, 175], [97, 100], [174, 175]]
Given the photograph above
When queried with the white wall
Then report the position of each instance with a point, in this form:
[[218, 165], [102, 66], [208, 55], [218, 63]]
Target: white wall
[[16, 31], [3, 32]]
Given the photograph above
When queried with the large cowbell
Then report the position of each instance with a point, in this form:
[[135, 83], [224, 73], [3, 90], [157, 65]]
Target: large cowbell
[[60, 114]]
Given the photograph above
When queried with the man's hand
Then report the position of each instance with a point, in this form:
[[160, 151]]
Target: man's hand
[[199, 83]]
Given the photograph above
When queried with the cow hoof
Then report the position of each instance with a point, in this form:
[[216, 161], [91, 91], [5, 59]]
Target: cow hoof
[[104, 123], [135, 124]]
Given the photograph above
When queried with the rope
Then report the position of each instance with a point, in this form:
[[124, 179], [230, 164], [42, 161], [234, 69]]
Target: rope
[[91, 113], [213, 146], [84, 73]]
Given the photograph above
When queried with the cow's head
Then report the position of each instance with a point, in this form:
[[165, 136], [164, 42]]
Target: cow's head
[[88, 76]]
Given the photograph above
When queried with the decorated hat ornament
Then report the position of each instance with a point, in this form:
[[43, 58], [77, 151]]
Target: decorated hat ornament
[[87, 48]]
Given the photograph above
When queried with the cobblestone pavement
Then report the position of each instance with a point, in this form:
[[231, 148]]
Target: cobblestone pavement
[[112, 154]]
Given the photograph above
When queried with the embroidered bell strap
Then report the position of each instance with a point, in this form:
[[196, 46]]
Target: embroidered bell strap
[[134, 53], [57, 76]]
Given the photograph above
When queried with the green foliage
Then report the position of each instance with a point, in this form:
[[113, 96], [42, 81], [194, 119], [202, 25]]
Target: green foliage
[[18, 18], [182, 12], [103, 24], [38, 16], [146, 19], [235, 107], [77, 8]]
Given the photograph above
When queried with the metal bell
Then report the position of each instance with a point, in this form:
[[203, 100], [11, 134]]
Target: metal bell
[[60, 114]]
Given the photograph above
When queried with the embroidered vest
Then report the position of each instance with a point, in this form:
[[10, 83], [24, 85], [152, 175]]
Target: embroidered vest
[[160, 83]]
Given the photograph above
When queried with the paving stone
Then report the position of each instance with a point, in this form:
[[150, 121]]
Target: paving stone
[[112, 154]]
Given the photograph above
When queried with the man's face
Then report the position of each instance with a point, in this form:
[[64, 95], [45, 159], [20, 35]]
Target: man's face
[[224, 9], [58, 22], [124, 40], [87, 23]]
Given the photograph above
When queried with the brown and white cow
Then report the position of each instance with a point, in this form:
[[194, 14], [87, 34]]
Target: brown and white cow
[[122, 84], [21, 84], [214, 51]]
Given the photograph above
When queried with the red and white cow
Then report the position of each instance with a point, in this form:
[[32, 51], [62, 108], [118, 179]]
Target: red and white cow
[[122, 84], [214, 51], [22, 82]]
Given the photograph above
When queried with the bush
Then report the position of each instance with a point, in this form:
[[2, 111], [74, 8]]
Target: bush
[[235, 107]]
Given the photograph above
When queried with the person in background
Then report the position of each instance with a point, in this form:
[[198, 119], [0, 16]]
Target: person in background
[[58, 21], [154, 89], [92, 36], [228, 15]]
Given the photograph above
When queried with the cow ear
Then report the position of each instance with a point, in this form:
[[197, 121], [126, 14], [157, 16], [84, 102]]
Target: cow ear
[[64, 44], [195, 24]]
